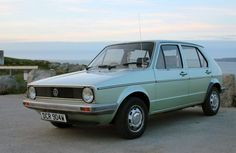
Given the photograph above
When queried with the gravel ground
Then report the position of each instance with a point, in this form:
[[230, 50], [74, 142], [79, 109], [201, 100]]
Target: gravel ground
[[184, 131]]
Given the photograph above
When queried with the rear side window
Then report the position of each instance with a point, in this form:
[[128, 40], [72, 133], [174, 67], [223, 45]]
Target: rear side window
[[202, 59], [169, 57], [194, 57]]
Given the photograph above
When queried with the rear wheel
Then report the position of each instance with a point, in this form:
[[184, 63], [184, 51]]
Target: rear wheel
[[131, 119], [212, 103], [61, 125]]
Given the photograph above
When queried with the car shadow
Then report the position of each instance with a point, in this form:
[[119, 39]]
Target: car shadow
[[178, 118], [157, 123]]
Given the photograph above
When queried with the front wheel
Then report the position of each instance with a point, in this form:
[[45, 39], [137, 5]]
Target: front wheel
[[212, 103], [131, 119]]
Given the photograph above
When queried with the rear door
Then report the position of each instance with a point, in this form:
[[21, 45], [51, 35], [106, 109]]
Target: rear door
[[171, 78], [199, 72]]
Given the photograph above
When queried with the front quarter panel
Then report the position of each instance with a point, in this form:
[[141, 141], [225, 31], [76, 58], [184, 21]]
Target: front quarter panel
[[119, 94]]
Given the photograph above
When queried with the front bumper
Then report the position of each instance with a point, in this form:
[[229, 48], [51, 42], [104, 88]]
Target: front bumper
[[89, 109]]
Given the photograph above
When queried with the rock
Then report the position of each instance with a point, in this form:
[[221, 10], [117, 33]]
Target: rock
[[227, 97], [35, 75], [7, 84], [75, 67], [54, 65], [66, 67]]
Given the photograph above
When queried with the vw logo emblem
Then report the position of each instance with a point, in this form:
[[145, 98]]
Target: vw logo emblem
[[55, 92]]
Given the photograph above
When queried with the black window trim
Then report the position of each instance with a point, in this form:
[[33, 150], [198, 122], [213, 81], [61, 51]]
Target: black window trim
[[198, 51], [164, 59], [181, 59]]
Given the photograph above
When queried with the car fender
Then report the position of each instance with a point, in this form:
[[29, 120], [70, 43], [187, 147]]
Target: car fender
[[210, 86], [128, 91]]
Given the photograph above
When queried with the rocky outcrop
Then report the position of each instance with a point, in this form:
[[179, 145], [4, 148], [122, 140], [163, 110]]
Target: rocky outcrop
[[62, 68], [35, 75], [227, 97], [9, 84]]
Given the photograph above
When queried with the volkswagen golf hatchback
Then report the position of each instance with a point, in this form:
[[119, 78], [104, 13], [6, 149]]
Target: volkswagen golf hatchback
[[127, 82]]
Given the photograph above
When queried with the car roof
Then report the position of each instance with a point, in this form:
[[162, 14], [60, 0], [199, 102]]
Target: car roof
[[159, 41], [180, 42]]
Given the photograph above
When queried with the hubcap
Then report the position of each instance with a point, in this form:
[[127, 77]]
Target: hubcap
[[135, 118], [214, 101]]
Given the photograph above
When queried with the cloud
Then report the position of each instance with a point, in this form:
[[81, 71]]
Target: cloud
[[105, 20], [212, 10], [112, 30], [7, 8]]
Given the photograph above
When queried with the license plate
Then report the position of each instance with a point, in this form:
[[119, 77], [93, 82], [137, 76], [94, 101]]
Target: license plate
[[53, 117]]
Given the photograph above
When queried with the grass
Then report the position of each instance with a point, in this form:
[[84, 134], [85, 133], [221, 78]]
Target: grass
[[23, 62]]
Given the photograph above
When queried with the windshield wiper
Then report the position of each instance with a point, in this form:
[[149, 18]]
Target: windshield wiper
[[107, 66], [126, 64], [89, 67]]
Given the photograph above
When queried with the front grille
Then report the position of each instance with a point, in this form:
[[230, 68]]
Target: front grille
[[62, 92]]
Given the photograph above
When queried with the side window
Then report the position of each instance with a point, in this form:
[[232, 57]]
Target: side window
[[171, 56], [194, 57], [203, 60], [191, 56]]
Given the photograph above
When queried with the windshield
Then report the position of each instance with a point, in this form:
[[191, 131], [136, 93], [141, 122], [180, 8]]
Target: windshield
[[135, 55]]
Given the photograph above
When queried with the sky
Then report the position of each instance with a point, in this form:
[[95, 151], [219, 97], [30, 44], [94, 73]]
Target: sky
[[116, 20], [79, 29]]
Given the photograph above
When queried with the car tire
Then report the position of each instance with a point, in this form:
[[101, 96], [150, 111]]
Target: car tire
[[61, 125], [131, 119], [212, 103]]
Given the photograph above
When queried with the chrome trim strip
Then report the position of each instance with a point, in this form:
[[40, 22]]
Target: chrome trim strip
[[123, 85], [58, 98], [186, 95], [58, 86], [160, 81], [181, 79], [216, 75], [95, 108], [193, 78]]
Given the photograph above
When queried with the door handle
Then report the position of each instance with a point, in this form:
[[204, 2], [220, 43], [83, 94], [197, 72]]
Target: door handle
[[183, 73], [208, 72]]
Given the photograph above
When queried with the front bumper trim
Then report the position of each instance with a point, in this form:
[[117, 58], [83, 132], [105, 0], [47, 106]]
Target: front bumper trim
[[90, 109]]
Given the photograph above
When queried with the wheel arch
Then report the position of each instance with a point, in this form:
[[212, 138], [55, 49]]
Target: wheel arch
[[213, 84], [142, 94]]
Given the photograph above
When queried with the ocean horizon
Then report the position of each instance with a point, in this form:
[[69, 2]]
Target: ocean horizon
[[83, 52]]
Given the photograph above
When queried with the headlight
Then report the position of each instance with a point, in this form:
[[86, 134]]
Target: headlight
[[87, 95], [31, 93]]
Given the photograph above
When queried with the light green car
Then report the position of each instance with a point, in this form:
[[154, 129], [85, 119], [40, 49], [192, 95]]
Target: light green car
[[127, 82]]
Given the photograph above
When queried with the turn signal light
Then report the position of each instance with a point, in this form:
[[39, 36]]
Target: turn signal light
[[26, 104], [85, 109]]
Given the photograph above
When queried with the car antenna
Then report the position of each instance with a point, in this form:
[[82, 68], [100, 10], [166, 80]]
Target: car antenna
[[140, 35], [140, 32]]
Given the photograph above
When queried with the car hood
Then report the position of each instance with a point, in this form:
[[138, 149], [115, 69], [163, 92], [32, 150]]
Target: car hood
[[96, 78]]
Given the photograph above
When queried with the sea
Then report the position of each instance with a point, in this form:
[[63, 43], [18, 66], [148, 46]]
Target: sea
[[228, 67], [84, 52]]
